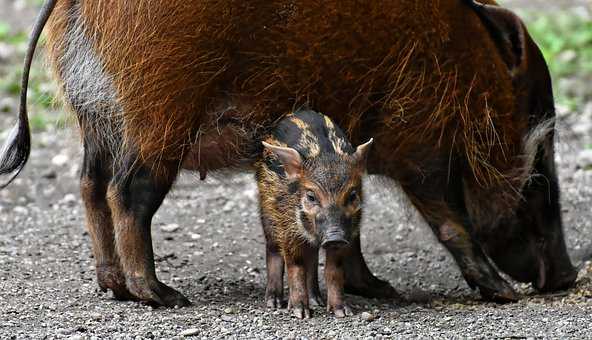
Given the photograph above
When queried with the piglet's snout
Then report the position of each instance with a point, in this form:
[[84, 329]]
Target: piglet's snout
[[334, 238]]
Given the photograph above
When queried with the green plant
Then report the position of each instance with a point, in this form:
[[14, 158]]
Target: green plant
[[4, 31], [565, 39], [41, 89]]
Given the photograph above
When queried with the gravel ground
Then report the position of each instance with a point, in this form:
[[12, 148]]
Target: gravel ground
[[209, 245]]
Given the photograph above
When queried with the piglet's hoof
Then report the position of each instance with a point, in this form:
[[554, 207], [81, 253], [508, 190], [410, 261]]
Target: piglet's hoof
[[300, 310], [156, 293], [273, 301], [340, 311]]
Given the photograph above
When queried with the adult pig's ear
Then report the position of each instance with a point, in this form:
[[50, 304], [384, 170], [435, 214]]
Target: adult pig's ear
[[289, 157], [361, 154], [508, 33]]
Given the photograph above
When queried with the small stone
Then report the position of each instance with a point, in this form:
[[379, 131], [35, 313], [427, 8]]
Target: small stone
[[96, 316], [228, 207], [20, 210], [49, 174], [66, 331], [69, 198], [60, 160], [190, 332], [367, 316], [195, 236], [585, 158], [229, 310], [77, 337], [251, 194], [170, 228]]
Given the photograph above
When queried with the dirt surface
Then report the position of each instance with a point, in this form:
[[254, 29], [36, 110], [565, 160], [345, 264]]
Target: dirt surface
[[209, 245], [215, 256]]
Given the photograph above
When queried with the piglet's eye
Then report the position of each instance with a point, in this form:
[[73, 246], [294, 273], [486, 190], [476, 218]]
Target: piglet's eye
[[310, 196], [352, 196]]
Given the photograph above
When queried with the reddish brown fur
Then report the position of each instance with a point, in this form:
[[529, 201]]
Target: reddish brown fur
[[434, 82]]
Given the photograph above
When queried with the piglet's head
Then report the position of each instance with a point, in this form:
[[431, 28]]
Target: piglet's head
[[328, 189]]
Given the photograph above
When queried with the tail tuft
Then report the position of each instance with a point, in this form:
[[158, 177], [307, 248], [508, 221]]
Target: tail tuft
[[531, 146], [15, 151]]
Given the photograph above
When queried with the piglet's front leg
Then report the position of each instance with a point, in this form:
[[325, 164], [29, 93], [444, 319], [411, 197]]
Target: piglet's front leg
[[311, 264], [298, 301], [335, 279]]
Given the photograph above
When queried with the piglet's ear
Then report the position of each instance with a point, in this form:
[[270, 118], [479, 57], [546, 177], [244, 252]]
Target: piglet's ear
[[361, 154], [290, 159]]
